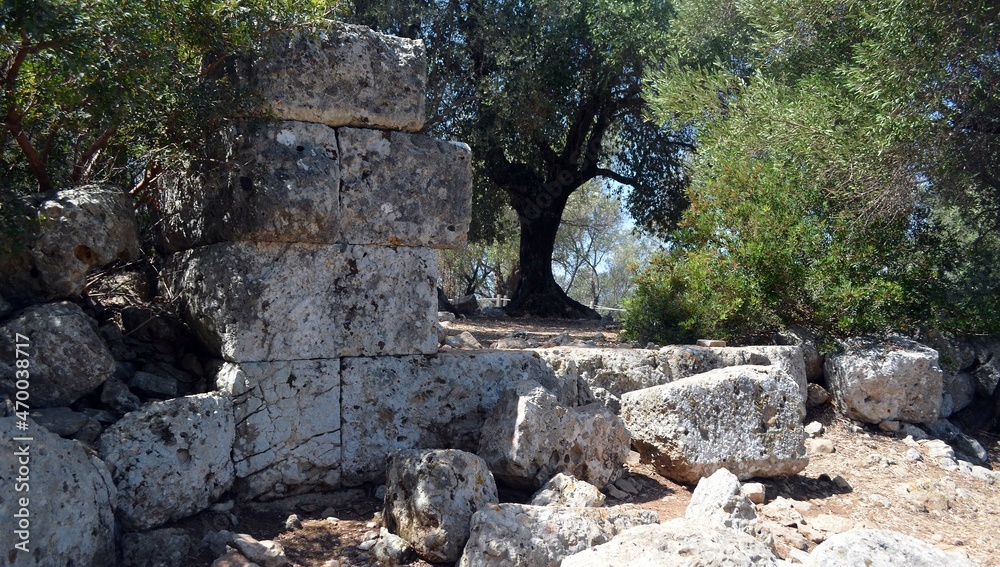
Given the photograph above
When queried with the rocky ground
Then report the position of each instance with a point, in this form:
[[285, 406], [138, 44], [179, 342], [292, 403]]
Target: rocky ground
[[871, 479]]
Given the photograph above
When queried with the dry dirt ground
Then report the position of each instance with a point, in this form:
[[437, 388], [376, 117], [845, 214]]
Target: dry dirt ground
[[883, 490]]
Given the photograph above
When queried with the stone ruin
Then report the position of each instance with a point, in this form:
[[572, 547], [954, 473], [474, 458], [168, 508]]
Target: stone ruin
[[301, 253]]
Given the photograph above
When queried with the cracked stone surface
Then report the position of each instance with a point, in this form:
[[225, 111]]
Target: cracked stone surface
[[287, 426], [255, 302]]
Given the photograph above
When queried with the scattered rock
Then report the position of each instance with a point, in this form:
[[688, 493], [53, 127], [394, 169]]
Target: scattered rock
[[889, 426], [886, 379], [747, 419], [390, 549], [817, 396], [171, 459], [820, 446], [813, 429], [157, 548], [265, 553], [465, 339], [913, 455], [293, 522], [116, 395], [518, 535], [64, 422], [72, 500], [755, 491], [717, 501], [943, 429], [937, 449], [567, 490], [509, 343], [710, 343], [431, 496], [677, 543], [151, 385], [466, 305], [969, 449], [880, 547], [627, 486], [831, 523], [233, 558], [530, 437], [616, 493], [68, 358], [912, 431]]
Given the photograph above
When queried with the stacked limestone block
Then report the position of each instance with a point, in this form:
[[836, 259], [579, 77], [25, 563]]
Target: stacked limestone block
[[309, 239]]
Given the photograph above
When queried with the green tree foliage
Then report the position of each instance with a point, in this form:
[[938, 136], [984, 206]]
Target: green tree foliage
[[116, 91], [548, 95], [846, 176]]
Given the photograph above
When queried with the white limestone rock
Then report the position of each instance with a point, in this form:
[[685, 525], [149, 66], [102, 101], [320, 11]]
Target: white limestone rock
[[604, 374], [77, 229], [519, 535], [346, 75], [430, 497], [880, 548], [530, 437], [170, 459], [66, 357], [567, 490], [251, 302], [886, 379], [717, 501], [426, 402], [677, 543], [404, 189], [68, 512], [287, 417], [747, 419]]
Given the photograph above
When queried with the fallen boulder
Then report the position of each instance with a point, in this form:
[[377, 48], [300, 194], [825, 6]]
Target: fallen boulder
[[717, 501], [530, 437], [61, 512], [747, 419], [677, 543], [77, 229], [66, 358], [876, 380], [430, 497], [880, 548], [170, 459], [567, 490], [518, 535]]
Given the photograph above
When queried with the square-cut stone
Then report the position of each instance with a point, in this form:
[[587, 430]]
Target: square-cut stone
[[252, 302], [404, 189], [344, 76], [427, 402], [271, 182], [287, 426]]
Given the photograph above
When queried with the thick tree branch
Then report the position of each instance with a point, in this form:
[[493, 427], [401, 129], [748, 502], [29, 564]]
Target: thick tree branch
[[602, 172], [13, 125], [86, 161]]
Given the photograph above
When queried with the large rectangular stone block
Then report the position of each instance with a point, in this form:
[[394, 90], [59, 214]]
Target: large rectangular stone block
[[302, 182], [344, 76], [427, 402], [271, 182], [252, 302], [404, 189], [287, 426]]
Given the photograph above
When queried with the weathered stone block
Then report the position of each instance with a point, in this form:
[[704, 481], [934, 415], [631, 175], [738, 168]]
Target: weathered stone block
[[881, 547], [272, 182], [170, 459], [890, 379], [70, 513], [518, 535], [426, 402], [67, 358], [747, 419], [77, 229], [344, 76], [430, 497], [530, 437], [251, 302], [404, 189], [310, 183], [287, 426]]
